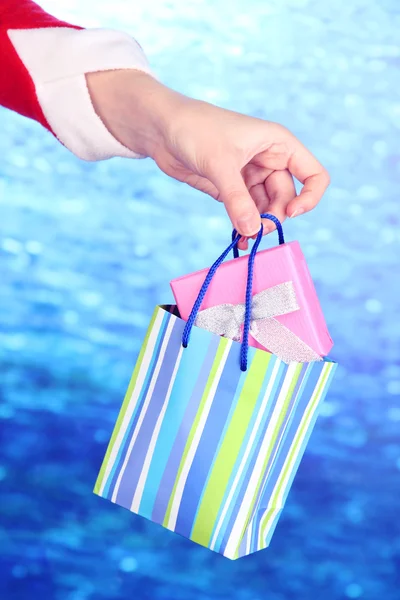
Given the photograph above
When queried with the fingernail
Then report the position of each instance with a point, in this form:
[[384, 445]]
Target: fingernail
[[297, 212], [248, 225]]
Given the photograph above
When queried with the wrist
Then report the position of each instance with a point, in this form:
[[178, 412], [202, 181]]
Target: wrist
[[136, 108]]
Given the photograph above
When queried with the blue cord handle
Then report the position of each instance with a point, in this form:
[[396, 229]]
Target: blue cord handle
[[263, 216], [249, 287]]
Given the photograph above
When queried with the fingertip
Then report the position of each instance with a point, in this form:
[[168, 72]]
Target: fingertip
[[243, 243], [269, 226]]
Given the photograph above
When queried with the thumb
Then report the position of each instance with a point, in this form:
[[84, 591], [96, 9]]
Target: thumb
[[239, 205]]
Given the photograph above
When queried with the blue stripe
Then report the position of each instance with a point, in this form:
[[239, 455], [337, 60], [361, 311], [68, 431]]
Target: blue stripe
[[258, 511], [239, 387], [135, 463], [251, 461], [243, 545], [171, 470], [244, 482], [233, 503], [288, 429], [209, 441], [308, 389], [191, 362], [113, 476], [292, 419], [303, 446], [271, 478], [255, 529]]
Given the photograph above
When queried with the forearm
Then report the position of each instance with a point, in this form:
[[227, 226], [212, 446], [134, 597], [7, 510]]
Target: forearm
[[136, 108], [43, 69]]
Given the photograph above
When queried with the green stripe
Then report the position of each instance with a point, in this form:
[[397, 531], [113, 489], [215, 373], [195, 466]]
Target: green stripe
[[271, 445], [217, 361], [293, 451], [125, 404], [229, 451]]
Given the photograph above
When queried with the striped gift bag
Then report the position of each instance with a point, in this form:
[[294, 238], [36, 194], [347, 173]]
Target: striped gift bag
[[205, 448]]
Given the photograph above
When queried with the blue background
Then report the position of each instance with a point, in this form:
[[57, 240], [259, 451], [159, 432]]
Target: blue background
[[87, 250]]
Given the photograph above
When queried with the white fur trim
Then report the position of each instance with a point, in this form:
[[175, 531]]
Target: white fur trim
[[57, 59]]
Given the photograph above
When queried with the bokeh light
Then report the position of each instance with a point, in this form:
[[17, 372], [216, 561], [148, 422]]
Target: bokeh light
[[87, 250]]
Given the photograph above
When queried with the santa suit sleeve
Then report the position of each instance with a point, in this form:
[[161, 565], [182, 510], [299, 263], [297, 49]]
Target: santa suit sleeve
[[43, 62]]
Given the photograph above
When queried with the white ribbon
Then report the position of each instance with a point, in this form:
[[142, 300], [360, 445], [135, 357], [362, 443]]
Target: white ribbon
[[227, 320]]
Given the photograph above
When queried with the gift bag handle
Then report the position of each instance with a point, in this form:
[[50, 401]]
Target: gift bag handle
[[249, 287], [263, 216]]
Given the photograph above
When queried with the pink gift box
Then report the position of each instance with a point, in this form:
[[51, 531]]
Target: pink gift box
[[272, 267]]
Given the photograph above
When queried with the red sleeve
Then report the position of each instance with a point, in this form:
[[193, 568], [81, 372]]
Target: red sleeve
[[17, 90]]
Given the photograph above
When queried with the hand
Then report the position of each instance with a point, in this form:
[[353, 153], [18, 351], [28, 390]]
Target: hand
[[244, 162]]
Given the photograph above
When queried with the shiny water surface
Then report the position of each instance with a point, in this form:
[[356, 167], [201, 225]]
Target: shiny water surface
[[87, 250]]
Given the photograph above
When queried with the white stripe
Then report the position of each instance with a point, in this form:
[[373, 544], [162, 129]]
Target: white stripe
[[249, 447], [145, 405], [133, 400], [195, 442], [245, 507], [277, 503], [149, 455]]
